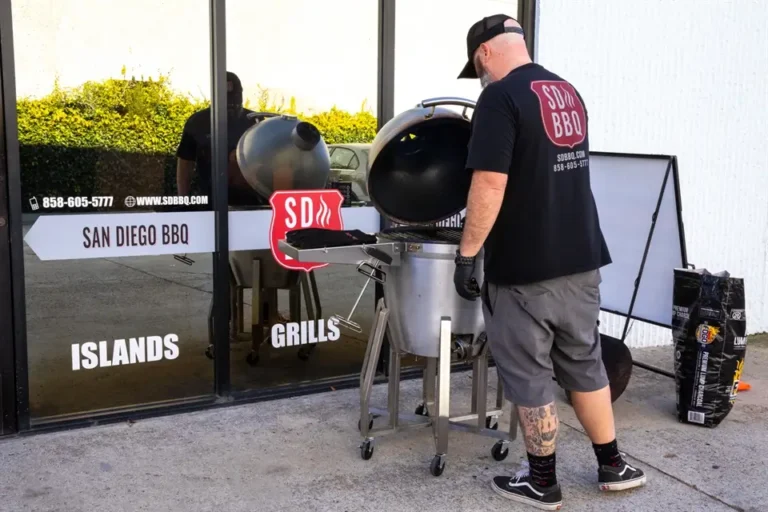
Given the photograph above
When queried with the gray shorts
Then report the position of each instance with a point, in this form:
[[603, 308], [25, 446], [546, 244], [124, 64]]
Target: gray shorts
[[537, 329]]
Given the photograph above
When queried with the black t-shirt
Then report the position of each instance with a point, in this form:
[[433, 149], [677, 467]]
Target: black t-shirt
[[195, 145], [532, 126]]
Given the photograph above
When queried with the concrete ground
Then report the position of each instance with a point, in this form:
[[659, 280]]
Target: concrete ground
[[301, 454]]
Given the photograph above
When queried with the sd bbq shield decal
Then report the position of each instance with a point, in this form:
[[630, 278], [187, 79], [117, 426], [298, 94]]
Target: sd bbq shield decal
[[562, 113], [302, 209]]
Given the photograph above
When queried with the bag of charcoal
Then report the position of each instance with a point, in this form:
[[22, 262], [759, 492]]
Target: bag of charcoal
[[709, 327]]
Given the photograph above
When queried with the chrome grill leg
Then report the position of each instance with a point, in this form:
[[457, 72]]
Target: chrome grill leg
[[368, 372], [480, 388], [443, 387], [393, 397]]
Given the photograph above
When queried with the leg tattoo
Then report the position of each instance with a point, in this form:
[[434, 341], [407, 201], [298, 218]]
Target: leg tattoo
[[539, 425]]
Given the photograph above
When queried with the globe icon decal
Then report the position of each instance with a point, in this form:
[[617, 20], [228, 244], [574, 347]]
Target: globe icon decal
[[130, 201]]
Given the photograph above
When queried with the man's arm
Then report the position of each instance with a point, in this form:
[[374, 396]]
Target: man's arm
[[490, 157], [485, 196], [186, 154], [184, 170]]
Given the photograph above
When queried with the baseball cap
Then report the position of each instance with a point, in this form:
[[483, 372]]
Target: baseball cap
[[482, 32]]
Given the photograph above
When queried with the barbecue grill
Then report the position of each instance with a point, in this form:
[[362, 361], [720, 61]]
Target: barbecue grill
[[417, 178]]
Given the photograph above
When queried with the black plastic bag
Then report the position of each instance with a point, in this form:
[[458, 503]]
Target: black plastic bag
[[709, 326]]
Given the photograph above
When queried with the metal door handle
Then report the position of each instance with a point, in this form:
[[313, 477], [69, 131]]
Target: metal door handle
[[371, 272]]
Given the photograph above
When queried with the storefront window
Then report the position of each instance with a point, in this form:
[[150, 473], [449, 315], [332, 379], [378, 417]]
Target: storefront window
[[313, 63], [428, 61], [118, 230]]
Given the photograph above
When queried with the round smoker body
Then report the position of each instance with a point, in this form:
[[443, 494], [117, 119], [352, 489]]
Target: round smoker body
[[283, 153], [420, 291]]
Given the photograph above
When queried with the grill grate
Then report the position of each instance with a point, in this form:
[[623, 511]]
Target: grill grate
[[423, 235]]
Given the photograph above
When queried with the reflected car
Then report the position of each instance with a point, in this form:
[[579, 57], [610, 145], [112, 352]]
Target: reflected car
[[349, 164]]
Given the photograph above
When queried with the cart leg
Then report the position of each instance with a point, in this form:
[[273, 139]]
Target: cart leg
[[443, 398], [475, 364], [240, 310], [513, 421], [315, 294], [499, 391], [428, 388], [480, 387], [393, 392], [513, 416], [294, 303], [257, 313], [306, 350], [367, 375]]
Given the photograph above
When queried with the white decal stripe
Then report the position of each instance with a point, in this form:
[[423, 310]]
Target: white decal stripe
[[511, 485], [626, 467]]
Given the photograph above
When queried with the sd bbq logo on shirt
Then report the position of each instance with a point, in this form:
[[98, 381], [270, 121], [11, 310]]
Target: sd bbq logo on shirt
[[302, 209], [562, 113]]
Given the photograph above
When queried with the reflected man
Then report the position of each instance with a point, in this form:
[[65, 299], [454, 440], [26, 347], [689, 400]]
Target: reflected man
[[194, 151]]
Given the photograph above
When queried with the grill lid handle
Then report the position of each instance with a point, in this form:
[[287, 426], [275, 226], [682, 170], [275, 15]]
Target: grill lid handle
[[447, 100]]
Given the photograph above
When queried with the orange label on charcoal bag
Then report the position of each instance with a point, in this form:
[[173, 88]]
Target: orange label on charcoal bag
[[706, 334], [737, 379]]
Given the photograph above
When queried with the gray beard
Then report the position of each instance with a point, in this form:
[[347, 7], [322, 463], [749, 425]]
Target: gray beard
[[485, 80]]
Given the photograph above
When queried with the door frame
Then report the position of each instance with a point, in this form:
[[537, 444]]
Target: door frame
[[14, 390]]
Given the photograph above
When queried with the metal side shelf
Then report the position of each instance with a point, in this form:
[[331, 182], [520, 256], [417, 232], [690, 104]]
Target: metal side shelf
[[387, 253]]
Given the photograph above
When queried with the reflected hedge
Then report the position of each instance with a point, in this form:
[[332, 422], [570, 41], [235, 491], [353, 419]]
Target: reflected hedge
[[118, 137]]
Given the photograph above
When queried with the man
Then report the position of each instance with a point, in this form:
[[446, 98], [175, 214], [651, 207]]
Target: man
[[531, 208], [194, 151]]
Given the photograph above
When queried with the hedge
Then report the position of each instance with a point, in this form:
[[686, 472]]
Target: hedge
[[118, 137]]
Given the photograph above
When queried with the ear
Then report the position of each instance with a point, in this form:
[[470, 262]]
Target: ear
[[485, 50]]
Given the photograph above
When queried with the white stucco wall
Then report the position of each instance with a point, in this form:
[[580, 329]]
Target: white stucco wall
[[682, 78], [322, 52]]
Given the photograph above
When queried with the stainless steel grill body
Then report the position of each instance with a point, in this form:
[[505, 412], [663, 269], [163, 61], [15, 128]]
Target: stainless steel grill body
[[420, 289]]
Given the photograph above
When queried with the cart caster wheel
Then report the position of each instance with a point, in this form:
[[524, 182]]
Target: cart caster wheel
[[370, 424], [437, 466], [252, 358], [366, 450], [499, 451], [209, 352], [491, 423], [421, 410]]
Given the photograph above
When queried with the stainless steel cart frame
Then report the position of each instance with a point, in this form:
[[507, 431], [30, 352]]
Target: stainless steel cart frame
[[434, 411]]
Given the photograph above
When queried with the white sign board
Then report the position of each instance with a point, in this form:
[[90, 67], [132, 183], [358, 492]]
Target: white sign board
[[628, 190], [115, 235]]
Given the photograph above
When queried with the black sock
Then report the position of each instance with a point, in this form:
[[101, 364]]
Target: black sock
[[607, 454], [542, 470]]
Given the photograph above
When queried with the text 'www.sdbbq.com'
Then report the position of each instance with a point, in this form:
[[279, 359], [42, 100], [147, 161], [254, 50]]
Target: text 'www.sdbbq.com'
[[132, 202]]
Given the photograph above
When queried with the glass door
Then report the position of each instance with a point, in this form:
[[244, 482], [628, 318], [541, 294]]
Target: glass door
[[7, 370], [113, 106], [318, 75]]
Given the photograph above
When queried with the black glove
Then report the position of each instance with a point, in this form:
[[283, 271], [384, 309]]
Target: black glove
[[463, 277]]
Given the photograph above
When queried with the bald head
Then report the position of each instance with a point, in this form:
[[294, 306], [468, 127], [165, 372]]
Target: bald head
[[508, 39], [495, 58]]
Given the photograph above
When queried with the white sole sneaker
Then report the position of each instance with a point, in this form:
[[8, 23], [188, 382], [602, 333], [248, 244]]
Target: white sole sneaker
[[524, 499], [623, 486]]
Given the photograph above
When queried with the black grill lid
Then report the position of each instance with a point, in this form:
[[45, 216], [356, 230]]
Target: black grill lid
[[417, 172]]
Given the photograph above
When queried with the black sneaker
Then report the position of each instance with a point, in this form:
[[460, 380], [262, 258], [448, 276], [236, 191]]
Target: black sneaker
[[520, 488], [619, 478]]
